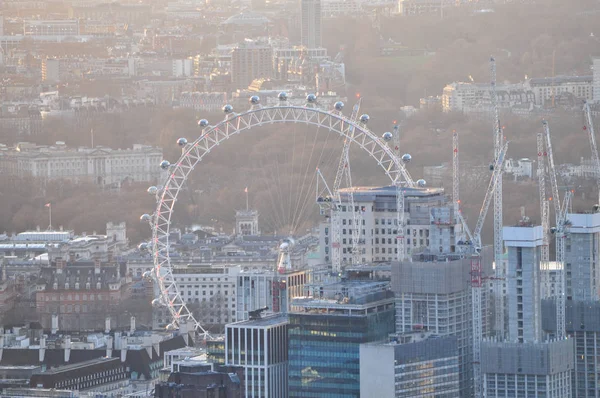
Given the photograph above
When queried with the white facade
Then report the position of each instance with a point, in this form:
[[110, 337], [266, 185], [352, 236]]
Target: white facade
[[203, 101], [101, 165], [260, 346], [523, 282], [64, 27], [522, 168], [227, 294], [211, 289], [476, 97], [338, 8], [183, 67], [429, 224], [548, 87]]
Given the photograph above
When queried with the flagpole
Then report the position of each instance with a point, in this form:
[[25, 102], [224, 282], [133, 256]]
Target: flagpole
[[50, 216], [247, 207]]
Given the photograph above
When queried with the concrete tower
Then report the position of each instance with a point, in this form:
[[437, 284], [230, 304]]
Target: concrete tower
[[310, 26]]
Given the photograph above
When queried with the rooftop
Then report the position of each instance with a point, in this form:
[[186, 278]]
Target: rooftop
[[391, 190], [79, 365], [266, 321]]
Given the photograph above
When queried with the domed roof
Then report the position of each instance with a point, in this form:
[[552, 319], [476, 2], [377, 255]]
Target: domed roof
[[247, 18]]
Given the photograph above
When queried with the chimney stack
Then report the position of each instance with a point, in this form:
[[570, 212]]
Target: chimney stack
[[97, 265], [71, 257], [67, 348], [54, 324], [42, 353], [132, 325], [107, 325], [123, 348], [109, 346]]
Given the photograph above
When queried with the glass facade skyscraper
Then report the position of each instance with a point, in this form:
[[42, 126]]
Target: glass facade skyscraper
[[325, 334]]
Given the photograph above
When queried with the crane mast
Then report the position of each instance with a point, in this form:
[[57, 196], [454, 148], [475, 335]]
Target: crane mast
[[551, 170], [592, 136], [545, 207], [560, 213], [455, 176], [400, 218], [476, 271], [562, 229], [344, 173], [498, 243]]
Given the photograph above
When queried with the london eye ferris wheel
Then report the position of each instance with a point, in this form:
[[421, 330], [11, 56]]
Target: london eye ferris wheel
[[351, 130]]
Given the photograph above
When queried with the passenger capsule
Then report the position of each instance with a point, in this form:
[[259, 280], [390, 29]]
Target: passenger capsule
[[145, 217], [171, 327], [255, 100], [142, 246], [339, 106], [164, 164], [157, 303], [282, 96], [202, 122], [227, 109], [387, 136], [406, 158], [152, 190], [311, 98], [364, 119], [147, 275], [422, 183], [182, 141]]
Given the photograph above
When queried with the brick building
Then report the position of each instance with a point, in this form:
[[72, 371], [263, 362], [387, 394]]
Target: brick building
[[82, 293]]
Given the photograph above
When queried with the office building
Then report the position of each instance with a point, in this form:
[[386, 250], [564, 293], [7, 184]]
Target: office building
[[524, 364], [523, 298], [210, 291], [548, 90], [541, 369], [583, 327], [51, 70], [412, 365], [80, 292], [260, 346], [430, 225], [250, 60], [310, 23], [582, 266], [202, 382], [325, 333], [54, 27], [436, 297]]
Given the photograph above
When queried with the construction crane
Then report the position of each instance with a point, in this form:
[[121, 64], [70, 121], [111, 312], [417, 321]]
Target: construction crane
[[400, 218], [455, 175], [589, 126], [473, 247], [560, 230], [498, 140], [545, 208]]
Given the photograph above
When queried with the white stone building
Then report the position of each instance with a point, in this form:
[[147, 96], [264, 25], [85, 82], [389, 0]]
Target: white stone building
[[430, 224], [522, 168], [101, 165]]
